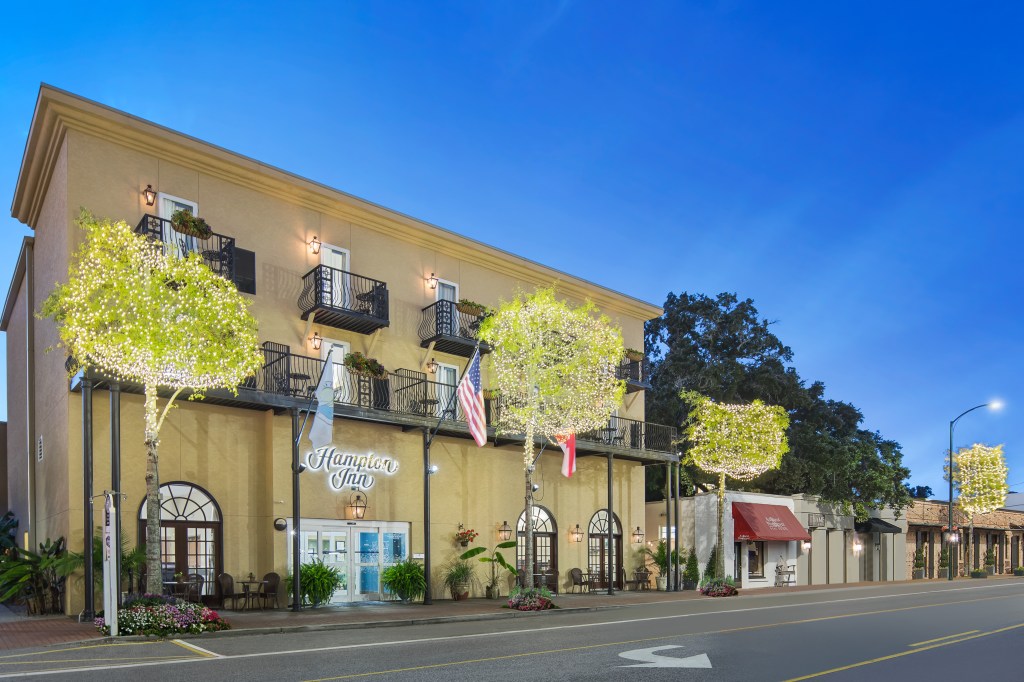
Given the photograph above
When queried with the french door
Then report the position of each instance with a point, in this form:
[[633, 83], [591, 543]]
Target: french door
[[337, 283], [190, 549]]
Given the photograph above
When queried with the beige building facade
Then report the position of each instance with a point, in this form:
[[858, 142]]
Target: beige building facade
[[1000, 531], [323, 269]]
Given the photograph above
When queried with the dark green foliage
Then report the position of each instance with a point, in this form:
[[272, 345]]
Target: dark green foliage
[[496, 559], [183, 221], [457, 574], [318, 581], [979, 573], [944, 558], [37, 579], [1019, 571], [990, 557], [661, 557], [405, 579], [721, 348], [691, 574], [919, 492], [919, 559], [709, 567], [8, 532]]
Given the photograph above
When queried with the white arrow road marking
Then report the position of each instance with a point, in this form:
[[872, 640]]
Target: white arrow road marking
[[652, 660]]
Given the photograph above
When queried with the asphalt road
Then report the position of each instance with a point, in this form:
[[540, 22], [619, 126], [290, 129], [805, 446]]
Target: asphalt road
[[933, 631]]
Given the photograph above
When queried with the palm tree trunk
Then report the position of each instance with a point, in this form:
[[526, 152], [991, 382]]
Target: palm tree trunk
[[154, 576], [720, 558], [528, 468]]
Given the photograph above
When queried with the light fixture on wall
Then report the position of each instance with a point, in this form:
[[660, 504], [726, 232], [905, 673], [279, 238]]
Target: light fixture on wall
[[504, 531], [638, 536], [357, 506], [432, 366], [150, 194], [857, 546], [314, 245], [280, 524], [432, 281], [576, 534], [316, 340], [806, 545]]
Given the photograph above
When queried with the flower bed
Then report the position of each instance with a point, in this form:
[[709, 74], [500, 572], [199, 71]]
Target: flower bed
[[719, 587], [154, 614], [535, 599]]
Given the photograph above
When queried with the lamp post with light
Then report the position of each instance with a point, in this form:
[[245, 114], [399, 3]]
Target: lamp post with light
[[992, 405]]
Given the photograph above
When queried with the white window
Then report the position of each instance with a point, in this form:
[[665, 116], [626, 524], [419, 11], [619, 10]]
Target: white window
[[447, 379], [337, 281], [343, 389], [447, 291], [174, 241]]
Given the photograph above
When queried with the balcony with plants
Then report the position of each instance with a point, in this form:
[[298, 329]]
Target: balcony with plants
[[452, 327], [344, 300], [635, 371], [185, 234]]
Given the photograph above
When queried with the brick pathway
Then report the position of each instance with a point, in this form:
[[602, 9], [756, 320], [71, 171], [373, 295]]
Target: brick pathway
[[18, 631]]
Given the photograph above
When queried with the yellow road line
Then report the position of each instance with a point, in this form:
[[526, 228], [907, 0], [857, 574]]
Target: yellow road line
[[194, 649], [98, 660], [939, 639], [904, 653]]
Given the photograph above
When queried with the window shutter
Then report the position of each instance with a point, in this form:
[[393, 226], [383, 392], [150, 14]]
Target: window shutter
[[245, 271]]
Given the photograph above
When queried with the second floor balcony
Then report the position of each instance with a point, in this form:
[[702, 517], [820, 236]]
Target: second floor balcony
[[344, 300], [636, 374], [452, 328], [216, 250]]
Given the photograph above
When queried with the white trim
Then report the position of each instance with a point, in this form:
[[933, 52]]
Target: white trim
[[160, 196], [437, 291], [324, 247]]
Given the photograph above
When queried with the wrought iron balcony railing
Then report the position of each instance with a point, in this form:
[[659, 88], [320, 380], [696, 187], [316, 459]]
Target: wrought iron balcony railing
[[344, 300], [451, 328], [216, 250], [636, 374]]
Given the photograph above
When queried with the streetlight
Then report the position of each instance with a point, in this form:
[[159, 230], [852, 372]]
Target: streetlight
[[992, 405]]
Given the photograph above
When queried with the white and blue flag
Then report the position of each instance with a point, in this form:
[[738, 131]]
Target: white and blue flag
[[321, 433]]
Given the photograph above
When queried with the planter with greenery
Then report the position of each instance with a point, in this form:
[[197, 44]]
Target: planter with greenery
[[691, 574], [471, 307], [663, 560], [990, 561], [405, 579], [919, 564], [497, 561], [530, 599], [944, 563], [719, 587], [154, 614], [364, 366], [1019, 571], [634, 355], [318, 582], [979, 573], [184, 222], [457, 577]]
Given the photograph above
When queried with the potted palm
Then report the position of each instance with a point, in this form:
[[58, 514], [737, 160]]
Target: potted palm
[[405, 579], [457, 577], [663, 559], [919, 564], [496, 560]]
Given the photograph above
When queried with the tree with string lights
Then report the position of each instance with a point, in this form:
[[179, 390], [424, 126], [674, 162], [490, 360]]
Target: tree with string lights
[[134, 311], [555, 368], [738, 441], [979, 474]]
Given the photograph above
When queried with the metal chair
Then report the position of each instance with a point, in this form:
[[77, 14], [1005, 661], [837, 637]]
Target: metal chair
[[577, 579], [194, 588], [268, 590], [227, 590]]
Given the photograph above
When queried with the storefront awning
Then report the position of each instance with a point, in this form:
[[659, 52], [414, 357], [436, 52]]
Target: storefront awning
[[754, 521], [876, 526]]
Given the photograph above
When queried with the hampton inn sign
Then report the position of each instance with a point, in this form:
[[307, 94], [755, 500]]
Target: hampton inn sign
[[346, 470]]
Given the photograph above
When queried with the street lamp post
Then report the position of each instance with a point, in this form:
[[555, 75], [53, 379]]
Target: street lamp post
[[994, 405]]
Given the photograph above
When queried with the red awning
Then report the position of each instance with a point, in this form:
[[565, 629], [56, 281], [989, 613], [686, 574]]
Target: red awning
[[766, 522]]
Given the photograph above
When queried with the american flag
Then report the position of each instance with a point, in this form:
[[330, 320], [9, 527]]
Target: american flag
[[471, 397]]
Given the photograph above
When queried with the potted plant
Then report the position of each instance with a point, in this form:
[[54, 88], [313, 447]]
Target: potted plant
[[404, 579], [661, 558], [919, 564], [364, 366], [691, 574], [457, 577], [496, 560], [634, 355], [471, 307], [1019, 571], [979, 573], [944, 563], [990, 561], [318, 582], [464, 536], [184, 222]]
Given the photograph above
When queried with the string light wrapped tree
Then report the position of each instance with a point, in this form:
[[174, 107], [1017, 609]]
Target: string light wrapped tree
[[738, 441], [555, 366], [979, 473], [165, 322]]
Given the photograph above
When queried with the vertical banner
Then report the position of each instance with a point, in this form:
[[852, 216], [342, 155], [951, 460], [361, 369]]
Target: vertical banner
[[111, 581]]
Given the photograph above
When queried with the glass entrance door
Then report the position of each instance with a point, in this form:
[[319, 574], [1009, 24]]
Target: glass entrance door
[[354, 548]]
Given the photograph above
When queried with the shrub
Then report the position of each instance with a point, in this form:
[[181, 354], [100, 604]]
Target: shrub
[[37, 580], [405, 579], [719, 587], [709, 567], [944, 558], [530, 599], [919, 559], [1019, 571], [691, 575], [164, 619], [979, 573], [458, 573], [318, 581], [990, 557]]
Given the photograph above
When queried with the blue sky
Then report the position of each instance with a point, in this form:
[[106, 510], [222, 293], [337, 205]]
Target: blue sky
[[856, 170]]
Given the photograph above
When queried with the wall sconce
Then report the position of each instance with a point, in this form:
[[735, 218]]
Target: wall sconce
[[432, 366], [357, 506], [806, 545], [314, 245], [857, 546], [432, 281], [576, 534], [432, 469], [280, 524], [504, 531], [638, 536], [150, 195], [316, 340]]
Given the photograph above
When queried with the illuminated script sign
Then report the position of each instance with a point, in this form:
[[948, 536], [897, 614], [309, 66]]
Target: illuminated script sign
[[346, 470]]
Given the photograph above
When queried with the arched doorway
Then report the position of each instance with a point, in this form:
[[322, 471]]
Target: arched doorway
[[597, 550], [545, 547], [190, 533]]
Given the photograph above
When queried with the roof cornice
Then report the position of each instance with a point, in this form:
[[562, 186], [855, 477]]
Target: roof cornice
[[58, 111]]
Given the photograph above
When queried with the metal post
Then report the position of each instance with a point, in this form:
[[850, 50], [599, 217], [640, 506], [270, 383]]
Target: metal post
[[427, 594], [115, 478], [296, 514], [668, 521], [675, 522], [90, 594], [611, 529]]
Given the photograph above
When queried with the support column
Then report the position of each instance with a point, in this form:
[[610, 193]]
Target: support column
[[115, 479], [611, 530], [668, 522], [296, 514], [675, 523], [87, 522], [427, 594]]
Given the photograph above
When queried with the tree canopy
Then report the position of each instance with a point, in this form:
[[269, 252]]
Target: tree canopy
[[721, 347]]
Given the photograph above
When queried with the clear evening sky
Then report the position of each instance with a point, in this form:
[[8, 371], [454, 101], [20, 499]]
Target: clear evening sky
[[857, 170]]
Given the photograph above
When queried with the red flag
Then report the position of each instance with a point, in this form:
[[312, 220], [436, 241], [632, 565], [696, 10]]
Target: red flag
[[568, 445]]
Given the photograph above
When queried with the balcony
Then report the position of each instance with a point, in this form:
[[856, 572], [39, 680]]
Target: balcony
[[636, 374], [344, 300], [450, 329], [217, 251]]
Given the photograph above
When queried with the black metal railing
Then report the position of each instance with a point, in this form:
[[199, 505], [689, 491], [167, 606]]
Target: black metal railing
[[327, 287], [445, 318], [634, 372], [217, 250]]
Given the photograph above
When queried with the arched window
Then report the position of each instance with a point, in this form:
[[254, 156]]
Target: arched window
[[190, 534], [545, 547], [597, 549]]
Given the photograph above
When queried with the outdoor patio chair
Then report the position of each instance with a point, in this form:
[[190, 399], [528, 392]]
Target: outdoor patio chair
[[194, 589], [268, 590], [578, 580], [227, 590]]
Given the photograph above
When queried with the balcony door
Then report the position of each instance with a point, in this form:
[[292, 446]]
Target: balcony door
[[343, 388], [336, 283], [447, 380], [447, 322], [175, 242]]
